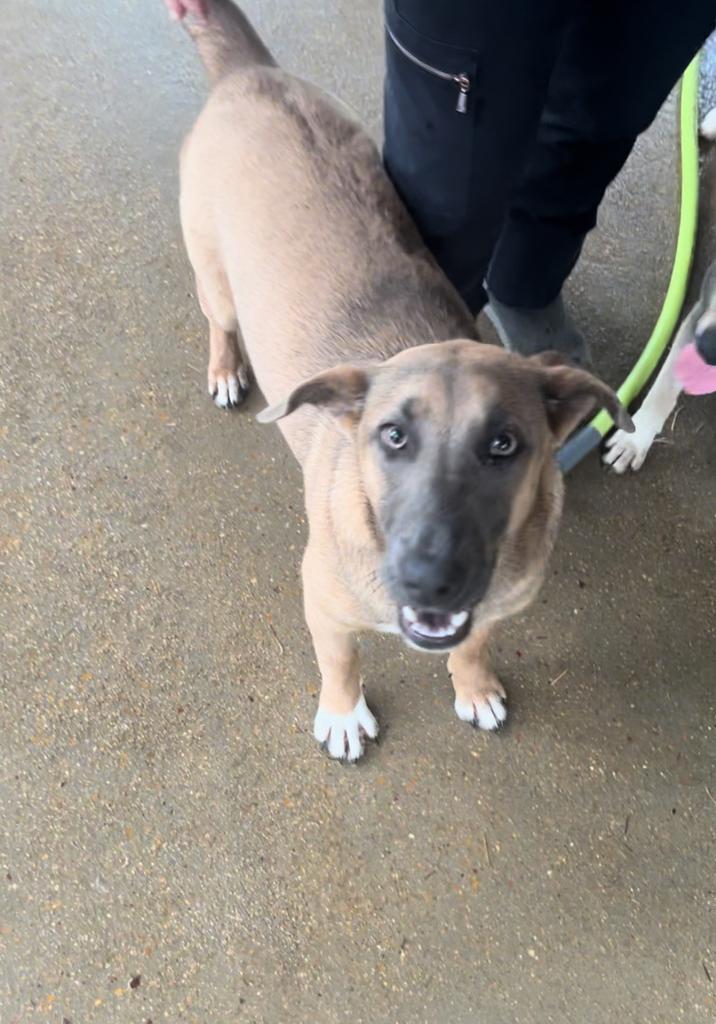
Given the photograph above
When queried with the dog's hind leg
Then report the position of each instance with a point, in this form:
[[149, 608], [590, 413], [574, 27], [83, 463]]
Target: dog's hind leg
[[227, 375]]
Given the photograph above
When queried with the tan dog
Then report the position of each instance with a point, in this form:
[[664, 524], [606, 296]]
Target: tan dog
[[432, 493]]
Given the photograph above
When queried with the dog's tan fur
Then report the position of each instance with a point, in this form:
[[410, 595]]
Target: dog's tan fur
[[295, 233]]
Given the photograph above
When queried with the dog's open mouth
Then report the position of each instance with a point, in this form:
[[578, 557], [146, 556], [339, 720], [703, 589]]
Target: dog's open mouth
[[434, 631]]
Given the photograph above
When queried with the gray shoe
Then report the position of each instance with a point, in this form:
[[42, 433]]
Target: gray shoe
[[529, 331]]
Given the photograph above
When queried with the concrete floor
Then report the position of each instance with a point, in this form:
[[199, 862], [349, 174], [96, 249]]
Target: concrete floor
[[173, 847]]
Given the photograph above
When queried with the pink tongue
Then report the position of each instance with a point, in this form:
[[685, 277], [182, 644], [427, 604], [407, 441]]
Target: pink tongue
[[695, 376]]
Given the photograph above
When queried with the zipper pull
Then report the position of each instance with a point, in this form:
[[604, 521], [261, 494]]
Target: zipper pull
[[464, 85]]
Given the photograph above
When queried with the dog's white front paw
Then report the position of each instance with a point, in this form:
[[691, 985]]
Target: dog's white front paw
[[625, 450], [228, 388], [342, 735], [485, 710]]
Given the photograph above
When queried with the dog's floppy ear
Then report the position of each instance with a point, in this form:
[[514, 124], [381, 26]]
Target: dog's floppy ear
[[571, 394], [340, 391]]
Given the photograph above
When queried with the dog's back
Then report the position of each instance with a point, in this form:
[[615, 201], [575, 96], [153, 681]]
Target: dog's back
[[284, 197]]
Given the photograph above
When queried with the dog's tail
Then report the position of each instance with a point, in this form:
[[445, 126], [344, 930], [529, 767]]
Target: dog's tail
[[227, 40]]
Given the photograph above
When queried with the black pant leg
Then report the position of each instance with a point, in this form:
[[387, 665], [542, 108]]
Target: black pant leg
[[618, 64], [455, 156]]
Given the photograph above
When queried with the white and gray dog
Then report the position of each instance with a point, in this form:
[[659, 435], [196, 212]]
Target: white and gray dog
[[699, 327]]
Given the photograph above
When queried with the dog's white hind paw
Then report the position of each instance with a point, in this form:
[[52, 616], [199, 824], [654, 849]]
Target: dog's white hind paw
[[708, 125], [342, 735], [625, 450], [486, 711], [228, 388]]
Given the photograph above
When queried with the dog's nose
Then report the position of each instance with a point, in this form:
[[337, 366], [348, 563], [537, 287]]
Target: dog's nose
[[706, 344], [430, 584], [431, 575]]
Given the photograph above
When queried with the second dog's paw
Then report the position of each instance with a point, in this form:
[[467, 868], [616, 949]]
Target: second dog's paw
[[485, 710], [625, 450], [708, 125], [342, 735], [228, 388]]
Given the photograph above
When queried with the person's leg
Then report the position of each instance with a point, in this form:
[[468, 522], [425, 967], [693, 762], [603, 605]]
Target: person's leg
[[617, 66], [456, 140]]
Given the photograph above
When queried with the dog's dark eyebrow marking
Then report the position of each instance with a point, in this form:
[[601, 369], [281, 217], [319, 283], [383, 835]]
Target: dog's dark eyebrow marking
[[408, 410], [500, 419], [497, 418]]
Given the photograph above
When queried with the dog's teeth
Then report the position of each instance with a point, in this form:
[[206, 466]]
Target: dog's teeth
[[437, 627], [458, 619], [434, 632]]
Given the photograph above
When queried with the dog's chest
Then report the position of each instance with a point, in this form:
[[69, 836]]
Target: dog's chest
[[378, 611]]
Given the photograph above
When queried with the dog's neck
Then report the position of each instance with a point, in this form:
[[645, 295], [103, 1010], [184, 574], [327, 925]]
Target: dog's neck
[[345, 526]]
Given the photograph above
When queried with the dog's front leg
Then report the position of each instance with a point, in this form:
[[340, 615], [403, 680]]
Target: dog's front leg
[[343, 717], [479, 695]]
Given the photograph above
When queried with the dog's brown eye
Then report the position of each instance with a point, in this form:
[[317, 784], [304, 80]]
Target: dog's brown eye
[[392, 436], [502, 445]]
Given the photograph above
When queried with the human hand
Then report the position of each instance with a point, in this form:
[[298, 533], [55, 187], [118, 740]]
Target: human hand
[[179, 9]]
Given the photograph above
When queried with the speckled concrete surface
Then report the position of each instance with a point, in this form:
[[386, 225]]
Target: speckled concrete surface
[[173, 847], [707, 77]]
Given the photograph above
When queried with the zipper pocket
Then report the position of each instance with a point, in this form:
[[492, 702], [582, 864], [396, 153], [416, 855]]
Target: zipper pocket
[[462, 81]]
